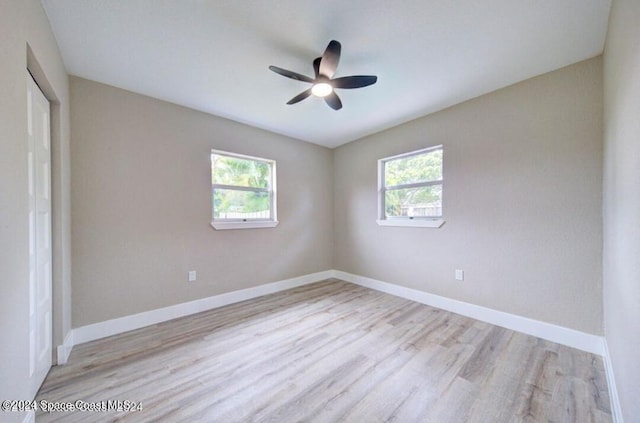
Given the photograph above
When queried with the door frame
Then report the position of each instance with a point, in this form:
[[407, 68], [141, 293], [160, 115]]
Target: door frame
[[61, 213], [40, 233]]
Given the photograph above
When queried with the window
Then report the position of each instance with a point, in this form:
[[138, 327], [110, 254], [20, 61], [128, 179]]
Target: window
[[410, 189], [243, 191]]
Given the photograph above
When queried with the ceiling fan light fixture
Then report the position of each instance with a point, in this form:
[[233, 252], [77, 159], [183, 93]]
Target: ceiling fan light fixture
[[324, 84], [321, 89]]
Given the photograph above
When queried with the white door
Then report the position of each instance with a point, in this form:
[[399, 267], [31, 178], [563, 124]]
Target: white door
[[40, 304]]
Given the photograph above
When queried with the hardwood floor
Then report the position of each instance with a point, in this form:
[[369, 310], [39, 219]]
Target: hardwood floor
[[330, 352]]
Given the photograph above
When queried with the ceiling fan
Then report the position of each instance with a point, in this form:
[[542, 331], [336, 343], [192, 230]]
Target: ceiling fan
[[323, 85]]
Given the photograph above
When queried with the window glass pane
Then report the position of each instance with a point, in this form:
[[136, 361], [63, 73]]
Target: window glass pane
[[235, 204], [414, 202], [226, 170], [413, 169]]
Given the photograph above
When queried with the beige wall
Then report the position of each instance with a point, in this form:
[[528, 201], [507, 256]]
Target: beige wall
[[622, 201], [26, 40], [522, 202], [141, 206]]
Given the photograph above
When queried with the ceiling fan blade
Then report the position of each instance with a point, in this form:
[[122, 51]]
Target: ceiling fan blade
[[330, 59], [356, 81], [300, 97], [333, 101], [290, 74], [316, 66]]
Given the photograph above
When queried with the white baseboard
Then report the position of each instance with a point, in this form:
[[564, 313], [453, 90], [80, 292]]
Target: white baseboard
[[616, 411], [561, 335], [64, 350], [565, 336], [151, 317]]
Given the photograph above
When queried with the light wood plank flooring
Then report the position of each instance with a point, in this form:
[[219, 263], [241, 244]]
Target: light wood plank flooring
[[331, 352]]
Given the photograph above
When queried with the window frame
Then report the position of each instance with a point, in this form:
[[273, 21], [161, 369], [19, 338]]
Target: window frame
[[245, 223], [408, 221]]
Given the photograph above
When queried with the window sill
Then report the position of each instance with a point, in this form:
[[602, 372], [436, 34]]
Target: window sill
[[219, 226], [413, 223]]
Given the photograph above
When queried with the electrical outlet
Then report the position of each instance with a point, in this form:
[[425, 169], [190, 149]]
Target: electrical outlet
[[192, 275], [459, 275]]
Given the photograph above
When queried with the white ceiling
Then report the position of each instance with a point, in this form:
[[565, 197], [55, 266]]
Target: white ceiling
[[214, 55]]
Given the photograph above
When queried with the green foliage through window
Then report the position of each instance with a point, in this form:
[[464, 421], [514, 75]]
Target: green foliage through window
[[242, 187], [417, 168], [413, 185], [226, 170], [240, 204]]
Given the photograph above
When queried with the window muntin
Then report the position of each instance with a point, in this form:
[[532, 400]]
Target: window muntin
[[243, 190], [410, 186]]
